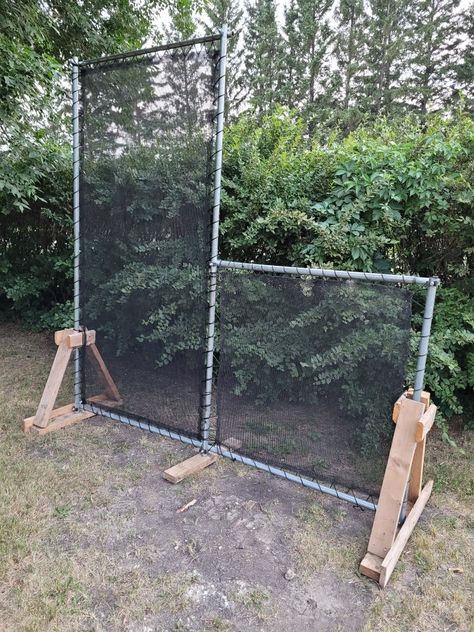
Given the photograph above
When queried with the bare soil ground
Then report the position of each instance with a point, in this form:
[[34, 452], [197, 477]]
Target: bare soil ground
[[90, 536]]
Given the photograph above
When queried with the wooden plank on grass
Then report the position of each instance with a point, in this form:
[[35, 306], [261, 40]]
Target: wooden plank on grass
[[371, 566], [405, 532], [63, 421], [189, 467], [28, 422]]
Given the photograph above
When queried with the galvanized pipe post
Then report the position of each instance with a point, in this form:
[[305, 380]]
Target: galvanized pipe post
[[421, 364], [76, 223], [207, 395], [425, 338]]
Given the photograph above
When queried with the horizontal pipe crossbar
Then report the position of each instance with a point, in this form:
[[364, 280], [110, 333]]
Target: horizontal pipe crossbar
[[295, 478], [148, 51], [143, 425], [233, 456], [330, 274]]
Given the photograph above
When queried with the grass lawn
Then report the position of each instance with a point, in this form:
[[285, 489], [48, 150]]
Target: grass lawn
[[90, 537]]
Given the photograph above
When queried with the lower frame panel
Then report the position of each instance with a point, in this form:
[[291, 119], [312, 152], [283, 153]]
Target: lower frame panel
[[233, 456]]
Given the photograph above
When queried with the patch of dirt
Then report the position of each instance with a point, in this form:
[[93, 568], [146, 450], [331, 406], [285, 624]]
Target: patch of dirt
[[234, 545]]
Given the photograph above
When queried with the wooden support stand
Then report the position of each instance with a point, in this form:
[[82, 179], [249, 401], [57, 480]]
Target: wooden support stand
[[46, 419], [404, 469], [190, 466]]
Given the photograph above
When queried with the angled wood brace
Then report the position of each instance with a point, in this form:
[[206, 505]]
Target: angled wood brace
[[46, 419], [404, 469]]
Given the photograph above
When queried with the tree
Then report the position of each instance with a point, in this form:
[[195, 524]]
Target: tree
[[35, 183], [434, 44], [465, 68], [263, 56], [230, 12], [306, 60], [378, 87], [349, 53]]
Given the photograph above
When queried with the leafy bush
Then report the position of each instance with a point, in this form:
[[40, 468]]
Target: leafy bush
[[392, 197], [36, 232], [317, 341]]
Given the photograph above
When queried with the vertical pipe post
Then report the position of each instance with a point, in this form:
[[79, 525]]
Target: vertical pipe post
[[425, 338], [207, 394], [76, 220], [421, 363]]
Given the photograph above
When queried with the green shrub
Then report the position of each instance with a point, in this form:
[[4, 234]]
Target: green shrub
[[390, 197]]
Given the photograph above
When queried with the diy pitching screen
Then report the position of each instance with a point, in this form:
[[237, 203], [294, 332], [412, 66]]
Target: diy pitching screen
[[146, 131], [309, 370]]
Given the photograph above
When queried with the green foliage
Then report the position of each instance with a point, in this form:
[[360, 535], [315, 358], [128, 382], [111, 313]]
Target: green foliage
[[390, 197], [450, 374], [317, 342], [35, 166]]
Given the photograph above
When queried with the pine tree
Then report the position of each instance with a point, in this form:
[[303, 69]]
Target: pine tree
[[291, 66], [263, 56], [465, 68], [379, 86], [306, 62], [435, 45], [349, 50], [215, 14]]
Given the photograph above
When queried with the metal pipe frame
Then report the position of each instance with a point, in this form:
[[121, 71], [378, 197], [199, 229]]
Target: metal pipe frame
[[203, 444], [233, 456], [210, 339], [295, 478], [329, 273], [424, 341], [142, 425], [148, 51], [76, 224]]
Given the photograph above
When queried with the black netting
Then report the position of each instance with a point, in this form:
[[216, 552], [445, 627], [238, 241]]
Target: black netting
[[146, 173], [309, 370]]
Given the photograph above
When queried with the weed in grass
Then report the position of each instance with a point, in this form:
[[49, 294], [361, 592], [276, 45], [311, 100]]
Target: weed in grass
[[62, 511], [256, 601], [217, 624], [193, 548], [319, 464]]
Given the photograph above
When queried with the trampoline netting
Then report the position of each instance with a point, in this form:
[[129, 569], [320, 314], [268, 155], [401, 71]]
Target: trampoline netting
[[309, 370], [145, 184]]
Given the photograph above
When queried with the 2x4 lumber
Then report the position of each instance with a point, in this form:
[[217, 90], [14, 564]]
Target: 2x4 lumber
[[380, 569], [110, 386], [74, 339], [61, 334], [425, 398], [396, 478], [190, 466], [425, 423], [28, 422], [62, 421], [416, 479], [404, 534], [371, 566], [53, 384]]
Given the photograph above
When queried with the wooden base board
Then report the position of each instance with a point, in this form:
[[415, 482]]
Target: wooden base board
[[65, 416], [190, 466], [62, 421], [380, 569]]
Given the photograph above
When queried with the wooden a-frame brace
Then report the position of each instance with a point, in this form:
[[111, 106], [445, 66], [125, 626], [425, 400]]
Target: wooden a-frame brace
[[404, 470], [46, 419]]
